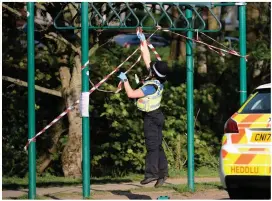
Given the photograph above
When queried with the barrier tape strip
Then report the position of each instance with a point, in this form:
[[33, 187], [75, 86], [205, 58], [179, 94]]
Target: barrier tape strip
[[139, 29], [90, 91], [218, 52], [117, 68], [85, 65], [119, 88], [214, 40], [157, 56], [233, 52], [77, 102], [154, 51]]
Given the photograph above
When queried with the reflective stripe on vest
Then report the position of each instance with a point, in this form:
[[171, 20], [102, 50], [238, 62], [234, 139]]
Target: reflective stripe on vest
[[151, 102]]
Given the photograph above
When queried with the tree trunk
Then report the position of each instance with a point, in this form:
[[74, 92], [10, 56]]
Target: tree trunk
[[72, 156], [182, 48], [174, 42], [45, 160], [178, 45]]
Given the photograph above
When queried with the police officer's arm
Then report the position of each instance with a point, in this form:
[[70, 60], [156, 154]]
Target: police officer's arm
[[131, 93], [145, 54], [144, 49]]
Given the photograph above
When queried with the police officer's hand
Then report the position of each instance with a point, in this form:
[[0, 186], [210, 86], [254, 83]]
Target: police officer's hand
[[140, 35], [122, 76]]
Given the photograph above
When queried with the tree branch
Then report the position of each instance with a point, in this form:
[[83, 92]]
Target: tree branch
[[55, 37], [38, 19], [38, 88], [65, 77], [12, 10]]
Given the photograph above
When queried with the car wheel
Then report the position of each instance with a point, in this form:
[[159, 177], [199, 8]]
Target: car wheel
[[237, 193], [249, 193], [263, 194]]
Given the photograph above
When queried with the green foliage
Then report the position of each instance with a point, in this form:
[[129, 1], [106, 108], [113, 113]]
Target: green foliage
[[124, 145], [44, 181], [14, 128], [182, 188], [117, 140], [204, 171], [15, 106]]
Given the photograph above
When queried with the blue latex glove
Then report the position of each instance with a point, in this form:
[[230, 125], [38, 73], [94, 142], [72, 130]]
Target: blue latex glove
[[122, 76], [141, 36]]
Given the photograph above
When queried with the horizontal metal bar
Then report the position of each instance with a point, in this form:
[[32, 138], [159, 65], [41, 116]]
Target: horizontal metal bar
[[164, 14], [144, 28], [241, 4], [199, 4], [224, 4]]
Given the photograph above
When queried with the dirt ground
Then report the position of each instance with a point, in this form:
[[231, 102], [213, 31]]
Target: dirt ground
[[123, 191], [212, 194]]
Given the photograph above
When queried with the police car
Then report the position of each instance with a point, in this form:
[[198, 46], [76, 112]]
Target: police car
[[245, 155]]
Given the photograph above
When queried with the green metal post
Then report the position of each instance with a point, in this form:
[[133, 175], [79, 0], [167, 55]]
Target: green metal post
[[85, 88], [190, 103], [242, 43], [31, 101]]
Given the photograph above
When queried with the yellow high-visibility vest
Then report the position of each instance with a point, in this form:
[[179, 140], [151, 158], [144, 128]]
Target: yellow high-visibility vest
[[151, 102]]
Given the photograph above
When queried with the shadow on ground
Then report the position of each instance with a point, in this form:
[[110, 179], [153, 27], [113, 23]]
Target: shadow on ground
[[52, 197], [131, 196], [16, 186]]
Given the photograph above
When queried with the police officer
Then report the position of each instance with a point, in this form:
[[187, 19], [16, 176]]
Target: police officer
[[148, 101]]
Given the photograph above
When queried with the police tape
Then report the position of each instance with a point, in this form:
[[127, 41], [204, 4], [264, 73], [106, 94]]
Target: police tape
[[77, 102], [139, 30], [157, 56], [154, 51], [211, 47], [85, 65], [90, 92]]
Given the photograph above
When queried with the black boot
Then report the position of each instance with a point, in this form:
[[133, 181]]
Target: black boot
[[160, 182], [148, 180]]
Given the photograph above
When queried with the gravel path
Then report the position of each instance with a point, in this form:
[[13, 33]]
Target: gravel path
[[123, 191]]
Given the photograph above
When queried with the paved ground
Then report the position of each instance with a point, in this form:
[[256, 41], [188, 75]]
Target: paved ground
[[123, 191]]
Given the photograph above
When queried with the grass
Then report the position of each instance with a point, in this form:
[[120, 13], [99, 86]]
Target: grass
[[183, 188], [109, 179], [25, 197], [19, 183], [201, 172], [49, 180], [180, 188], [55, 196]]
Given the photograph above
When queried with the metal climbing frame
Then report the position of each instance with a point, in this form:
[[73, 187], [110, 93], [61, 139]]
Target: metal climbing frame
[[129, 15], [180, 16]]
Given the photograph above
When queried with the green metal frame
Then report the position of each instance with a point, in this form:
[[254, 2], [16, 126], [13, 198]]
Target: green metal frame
[[190, 104], [187, 14], [31, 101], [242, 44], [85, 88], [140, 20]]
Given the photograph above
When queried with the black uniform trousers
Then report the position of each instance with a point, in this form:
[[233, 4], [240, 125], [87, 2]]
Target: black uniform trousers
[[156, 165]]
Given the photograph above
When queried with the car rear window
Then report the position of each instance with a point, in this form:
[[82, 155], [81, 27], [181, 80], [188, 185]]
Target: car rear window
[[260, 103]]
